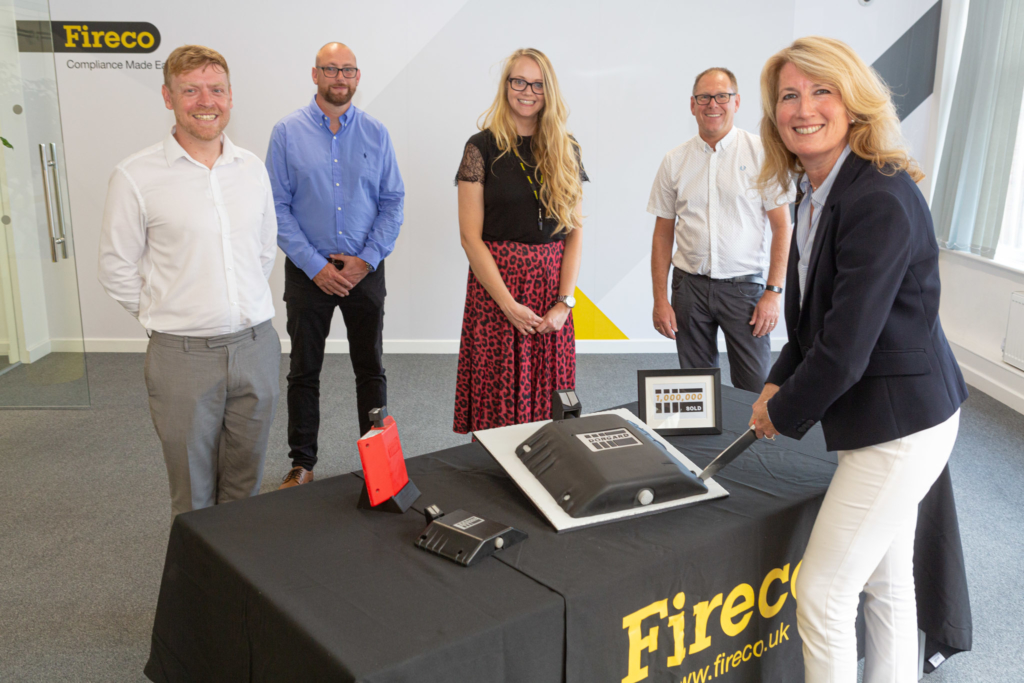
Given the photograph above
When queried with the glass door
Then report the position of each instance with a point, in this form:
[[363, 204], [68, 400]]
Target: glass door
[[42, 349]]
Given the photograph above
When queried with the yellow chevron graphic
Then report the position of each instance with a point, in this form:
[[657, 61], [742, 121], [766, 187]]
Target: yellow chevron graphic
[[591, 322]]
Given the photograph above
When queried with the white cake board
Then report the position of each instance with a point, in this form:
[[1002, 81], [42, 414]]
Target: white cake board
[[502, 442]]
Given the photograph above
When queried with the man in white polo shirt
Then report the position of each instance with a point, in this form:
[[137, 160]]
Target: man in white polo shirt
[[704, 195], [188, 241]]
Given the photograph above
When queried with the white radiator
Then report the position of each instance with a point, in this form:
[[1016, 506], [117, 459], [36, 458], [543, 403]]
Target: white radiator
[[1013, 345]]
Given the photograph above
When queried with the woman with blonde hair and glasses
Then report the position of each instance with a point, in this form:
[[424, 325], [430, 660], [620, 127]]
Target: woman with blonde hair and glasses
[[866, 355], [520, 188]]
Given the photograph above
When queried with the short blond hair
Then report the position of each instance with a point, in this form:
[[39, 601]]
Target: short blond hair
[[191, 57], [875, 134]]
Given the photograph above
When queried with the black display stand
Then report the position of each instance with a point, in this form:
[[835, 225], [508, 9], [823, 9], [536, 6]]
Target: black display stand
[[565, 404], [399, 503]]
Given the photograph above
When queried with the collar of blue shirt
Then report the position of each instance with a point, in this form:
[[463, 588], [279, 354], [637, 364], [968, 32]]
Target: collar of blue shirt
[[323, 119], [819, 196]]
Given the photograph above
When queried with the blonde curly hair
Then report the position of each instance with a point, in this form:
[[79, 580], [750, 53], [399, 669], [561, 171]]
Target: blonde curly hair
[[875, 133], [554, 150]]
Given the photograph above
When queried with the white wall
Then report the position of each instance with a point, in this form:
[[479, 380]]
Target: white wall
[[429, 69], [974, 311]]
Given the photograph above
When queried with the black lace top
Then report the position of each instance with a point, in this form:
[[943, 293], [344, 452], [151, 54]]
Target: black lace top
[[510, 208]]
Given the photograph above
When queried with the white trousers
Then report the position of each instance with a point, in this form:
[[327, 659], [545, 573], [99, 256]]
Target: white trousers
[[863, 540]]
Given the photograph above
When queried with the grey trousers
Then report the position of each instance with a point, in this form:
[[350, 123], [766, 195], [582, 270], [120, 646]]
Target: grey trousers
[[213, 400], [702, 306]]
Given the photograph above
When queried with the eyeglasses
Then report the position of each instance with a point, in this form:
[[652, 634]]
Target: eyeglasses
[[332, 71], [519, 85], [721, 98]]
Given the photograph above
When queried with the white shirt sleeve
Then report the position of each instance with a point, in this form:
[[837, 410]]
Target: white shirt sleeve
[[663, 193], [122, 242], [774, 196], [268, 230]]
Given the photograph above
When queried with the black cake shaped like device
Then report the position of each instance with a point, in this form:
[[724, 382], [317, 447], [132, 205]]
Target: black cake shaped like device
[[604, 463]]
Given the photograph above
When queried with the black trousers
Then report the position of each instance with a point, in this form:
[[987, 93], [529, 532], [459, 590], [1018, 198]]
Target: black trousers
[[310, 311], [702, 306]]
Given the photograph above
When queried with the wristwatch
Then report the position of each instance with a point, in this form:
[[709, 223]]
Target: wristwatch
[[773, 288], [569, 300]]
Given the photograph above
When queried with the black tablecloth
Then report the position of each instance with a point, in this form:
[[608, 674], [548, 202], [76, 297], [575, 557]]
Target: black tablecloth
[[301, 585]]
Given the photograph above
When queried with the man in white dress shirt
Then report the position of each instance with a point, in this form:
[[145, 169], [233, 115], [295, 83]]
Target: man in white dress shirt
[[704, 195], [188, 241]]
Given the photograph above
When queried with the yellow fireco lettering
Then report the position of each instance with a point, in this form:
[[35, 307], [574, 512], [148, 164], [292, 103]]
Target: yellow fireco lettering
[[781, 634], [71, 32], [698, 676], [731, 610], [677, 623], [701, 613], [792, 582], [112, 40], [780, 575], [634, 626], [737, 610]]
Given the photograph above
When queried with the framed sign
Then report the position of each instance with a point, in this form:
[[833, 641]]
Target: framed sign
[[677, 402]]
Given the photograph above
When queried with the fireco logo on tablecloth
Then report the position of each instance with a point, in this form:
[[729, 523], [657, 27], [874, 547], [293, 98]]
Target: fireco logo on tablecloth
[[735, 613], [105, 36]]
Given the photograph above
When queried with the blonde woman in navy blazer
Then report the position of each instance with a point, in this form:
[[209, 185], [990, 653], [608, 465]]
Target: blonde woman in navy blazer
[[866, 355]]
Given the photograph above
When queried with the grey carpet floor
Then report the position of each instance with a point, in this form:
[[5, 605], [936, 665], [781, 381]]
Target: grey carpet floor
[[85, 510], [55, 380]]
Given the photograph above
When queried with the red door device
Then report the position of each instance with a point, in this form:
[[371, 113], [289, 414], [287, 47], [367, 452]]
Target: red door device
[[386, 481]]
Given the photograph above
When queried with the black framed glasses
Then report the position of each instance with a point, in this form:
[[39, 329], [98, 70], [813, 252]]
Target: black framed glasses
[[721, 98], [332, 71], [519, 85]]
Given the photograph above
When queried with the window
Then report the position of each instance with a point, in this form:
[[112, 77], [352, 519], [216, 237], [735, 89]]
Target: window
[[1010, 249]]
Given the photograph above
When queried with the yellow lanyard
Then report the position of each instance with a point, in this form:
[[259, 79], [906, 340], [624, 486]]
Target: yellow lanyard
[[540, 212]]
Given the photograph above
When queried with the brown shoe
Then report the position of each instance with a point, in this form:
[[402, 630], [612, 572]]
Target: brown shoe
[[296, 477]]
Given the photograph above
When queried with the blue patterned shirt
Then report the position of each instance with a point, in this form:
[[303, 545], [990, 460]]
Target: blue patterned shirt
[[335, 193]]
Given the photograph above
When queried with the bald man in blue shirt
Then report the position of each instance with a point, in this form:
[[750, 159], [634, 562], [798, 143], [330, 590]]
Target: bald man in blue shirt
[[339, 198]]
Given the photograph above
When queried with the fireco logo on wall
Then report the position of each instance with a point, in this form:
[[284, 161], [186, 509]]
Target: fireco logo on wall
[[106, 37]]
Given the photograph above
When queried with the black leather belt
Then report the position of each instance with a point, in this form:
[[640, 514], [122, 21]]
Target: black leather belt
[[756, 277]]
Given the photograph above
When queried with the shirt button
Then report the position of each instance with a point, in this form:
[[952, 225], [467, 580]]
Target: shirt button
[[337, 184], [340, 232], [339, 208], [335, 161], [335, 137]]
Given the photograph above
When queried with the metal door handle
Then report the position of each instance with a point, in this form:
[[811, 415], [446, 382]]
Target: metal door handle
[[58, 197], [47, 165]]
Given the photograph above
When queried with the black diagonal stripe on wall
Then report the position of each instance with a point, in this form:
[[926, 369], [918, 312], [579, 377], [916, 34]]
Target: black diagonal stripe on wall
[[909, 65]]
